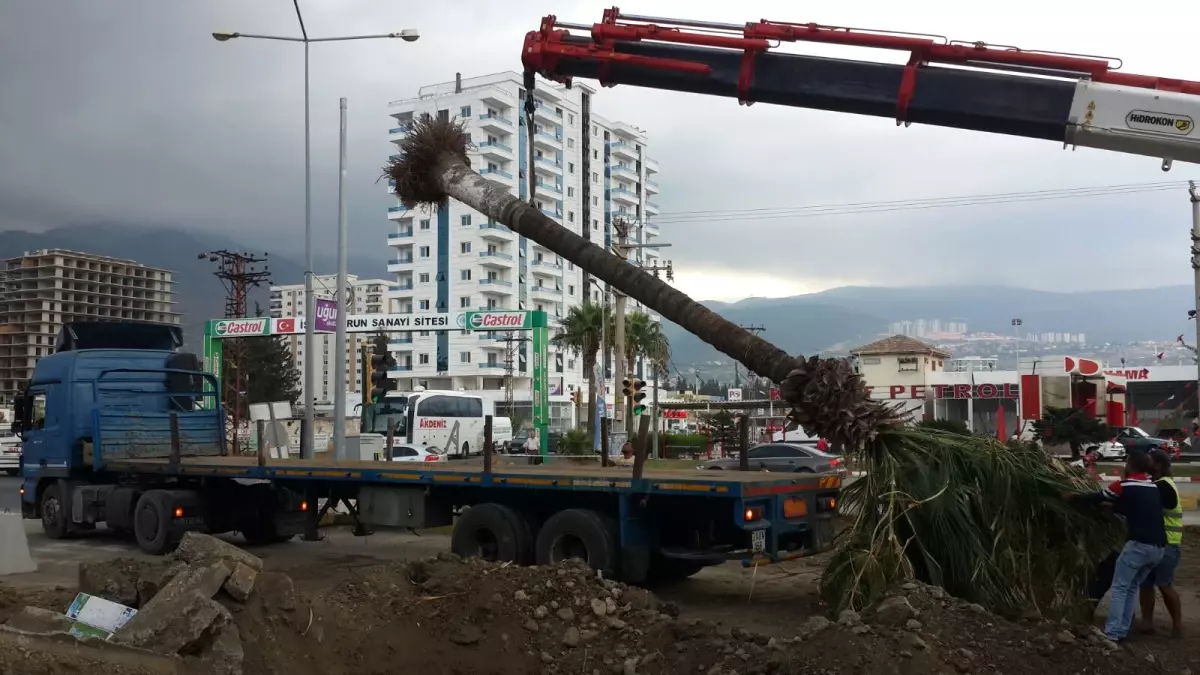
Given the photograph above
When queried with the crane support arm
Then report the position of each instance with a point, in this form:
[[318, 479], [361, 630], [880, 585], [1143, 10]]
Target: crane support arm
[[1072, 99]]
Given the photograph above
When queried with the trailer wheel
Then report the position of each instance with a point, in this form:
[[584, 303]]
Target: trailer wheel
[[54, 511], [580, 533], [152, 522], [493, 532]]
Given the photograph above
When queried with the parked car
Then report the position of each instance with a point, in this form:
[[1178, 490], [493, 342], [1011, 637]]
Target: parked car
[[407, 453], [10, 453], [1134, 439], [1107, 450], [782, 457]]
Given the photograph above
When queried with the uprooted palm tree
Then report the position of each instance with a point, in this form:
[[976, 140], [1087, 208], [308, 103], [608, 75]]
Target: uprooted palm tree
[[984, 521]]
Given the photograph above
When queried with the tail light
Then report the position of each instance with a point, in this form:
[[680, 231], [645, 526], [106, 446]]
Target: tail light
[[752, 514], [432, 458], [836, 461]]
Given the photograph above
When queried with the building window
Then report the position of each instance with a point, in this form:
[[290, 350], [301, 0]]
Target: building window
[[570, 290], [465, 275], [570, 216], [570, 192], [570, 167], [423, 278], [465, 111], [595, 130], [466, 220], [907, 364], [595, 177], [423, 304], [595, 224], [424, 224], [464, 301], [596, 155], [423, 359], [570, 118], [464, 357], [570, 143], [424, 251], [465, 247], [423, 333]]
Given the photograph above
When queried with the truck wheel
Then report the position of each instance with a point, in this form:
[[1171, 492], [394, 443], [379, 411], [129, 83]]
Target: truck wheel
[[580, 533], [152, 522], [493, 532], [54, 511]]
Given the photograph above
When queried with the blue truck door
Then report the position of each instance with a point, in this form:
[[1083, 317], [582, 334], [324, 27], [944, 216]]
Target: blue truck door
[[43, 449]]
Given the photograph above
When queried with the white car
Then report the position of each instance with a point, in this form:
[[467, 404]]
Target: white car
[[407, 453], [1107, 450], [10, 454]]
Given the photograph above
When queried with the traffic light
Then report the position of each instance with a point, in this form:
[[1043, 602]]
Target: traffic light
[[380, 384], [632, 387]]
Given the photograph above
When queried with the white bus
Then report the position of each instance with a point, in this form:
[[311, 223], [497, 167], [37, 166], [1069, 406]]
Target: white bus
[[427, 419]]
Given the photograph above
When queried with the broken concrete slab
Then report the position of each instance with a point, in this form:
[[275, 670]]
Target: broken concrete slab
[[113, 580], [154, 580], [196, 547], [181, 613], [57, 653], [38, 620], [226, 655], [277, 591], [240, 583]]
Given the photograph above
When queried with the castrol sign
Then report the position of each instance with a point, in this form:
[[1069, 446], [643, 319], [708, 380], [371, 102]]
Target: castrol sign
[[517, 320], [241, 327]]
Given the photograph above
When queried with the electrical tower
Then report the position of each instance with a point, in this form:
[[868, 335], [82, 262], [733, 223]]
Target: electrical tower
[[510, 341], [737, 378], [238, 272]]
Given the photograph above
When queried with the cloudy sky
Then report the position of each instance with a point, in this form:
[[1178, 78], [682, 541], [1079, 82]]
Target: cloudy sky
[[129, 111]]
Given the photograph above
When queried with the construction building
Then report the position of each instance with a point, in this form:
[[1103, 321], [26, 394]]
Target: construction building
[[42, 290]]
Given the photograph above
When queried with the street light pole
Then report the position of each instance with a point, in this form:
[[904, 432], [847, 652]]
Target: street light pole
[[339, 342], [310, 336]]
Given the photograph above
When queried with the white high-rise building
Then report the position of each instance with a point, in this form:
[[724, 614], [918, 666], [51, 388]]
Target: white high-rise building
[[363, 296], [587, 172]]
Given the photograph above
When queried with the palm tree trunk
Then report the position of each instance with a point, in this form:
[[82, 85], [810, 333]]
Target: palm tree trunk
[[591, 401], [467, 186]]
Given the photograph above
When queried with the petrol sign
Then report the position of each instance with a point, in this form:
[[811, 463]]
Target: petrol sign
[[498, 320], [239, 327]]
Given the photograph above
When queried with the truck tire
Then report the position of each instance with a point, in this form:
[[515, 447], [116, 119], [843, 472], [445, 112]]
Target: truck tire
[[580, 533], [152, 522], [493, 532], [53, 507]]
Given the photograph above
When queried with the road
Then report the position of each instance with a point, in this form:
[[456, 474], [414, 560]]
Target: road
[[10, 497]]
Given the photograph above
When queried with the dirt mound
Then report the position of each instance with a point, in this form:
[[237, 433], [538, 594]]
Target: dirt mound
[[448, 615]]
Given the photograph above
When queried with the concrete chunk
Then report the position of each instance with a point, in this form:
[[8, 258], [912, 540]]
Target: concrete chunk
[[196, 547], [226, 654], [37, 620], [182, 613], [154, 580], [240, 583]]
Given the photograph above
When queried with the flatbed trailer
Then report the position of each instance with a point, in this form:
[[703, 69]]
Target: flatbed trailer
[[124, 438]]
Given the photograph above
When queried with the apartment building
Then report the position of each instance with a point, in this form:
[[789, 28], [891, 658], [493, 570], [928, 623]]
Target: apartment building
[[42, 290], [587, 172], [363, 296]]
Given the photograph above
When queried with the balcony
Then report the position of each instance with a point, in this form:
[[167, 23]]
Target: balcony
[[545, 268], [399, 371], [495, 259], [400, 237], [493, 365], [624, 196], [496, 123], [396, 133], [623, 150], [547, 187], [651, 165], [496, 150], [403, 291], [618, 171], [496, 97], [651, 187], [495, 231], [401, 341], [397, 213], [547, 292], [650, 229], [548, 141], [546, 113], [651, 208], [495, 286], [399, 264], [557, 215]]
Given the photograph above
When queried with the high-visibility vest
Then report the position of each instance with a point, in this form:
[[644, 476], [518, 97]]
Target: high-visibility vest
[[1173, 518]]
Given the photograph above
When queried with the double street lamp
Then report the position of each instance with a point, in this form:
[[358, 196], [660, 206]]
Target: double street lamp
[[408, 35]]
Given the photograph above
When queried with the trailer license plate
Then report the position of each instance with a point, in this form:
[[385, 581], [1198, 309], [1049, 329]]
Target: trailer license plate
[[758, 541]]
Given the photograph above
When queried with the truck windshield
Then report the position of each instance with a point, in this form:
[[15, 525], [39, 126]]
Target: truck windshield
[[375, 419]]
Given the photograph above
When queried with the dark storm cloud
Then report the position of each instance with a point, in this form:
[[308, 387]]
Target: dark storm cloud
[[128, 111]]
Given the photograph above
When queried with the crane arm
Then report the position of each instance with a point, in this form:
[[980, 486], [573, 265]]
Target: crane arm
[[1074, 99]]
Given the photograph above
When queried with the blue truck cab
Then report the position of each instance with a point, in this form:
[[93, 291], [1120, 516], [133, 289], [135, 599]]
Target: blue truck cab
[[91, 404]]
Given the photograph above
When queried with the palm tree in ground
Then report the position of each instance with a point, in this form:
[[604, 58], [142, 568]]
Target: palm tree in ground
[[984, 520], [581, 332], [644, 338]]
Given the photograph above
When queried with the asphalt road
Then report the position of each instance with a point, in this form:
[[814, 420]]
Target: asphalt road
[[10, 497]]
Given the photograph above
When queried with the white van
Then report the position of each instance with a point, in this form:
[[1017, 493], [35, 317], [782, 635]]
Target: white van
[[502, 432]]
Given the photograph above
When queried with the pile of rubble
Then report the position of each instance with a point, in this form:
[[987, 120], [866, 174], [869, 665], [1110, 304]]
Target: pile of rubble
[[212, 609]]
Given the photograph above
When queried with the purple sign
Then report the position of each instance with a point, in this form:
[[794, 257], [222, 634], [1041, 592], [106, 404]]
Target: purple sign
[[326, 316]]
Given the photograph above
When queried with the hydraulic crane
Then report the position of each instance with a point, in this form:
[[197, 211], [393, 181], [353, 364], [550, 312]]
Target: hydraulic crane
[[1075, 99]]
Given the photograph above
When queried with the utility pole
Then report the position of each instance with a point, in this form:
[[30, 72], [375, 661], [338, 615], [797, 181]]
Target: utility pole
[[238, 272], [621, 248], [339, 335], [1195, 197], [510, 341], [737, 378]]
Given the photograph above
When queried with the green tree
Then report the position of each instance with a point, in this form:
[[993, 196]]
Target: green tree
[[581, 332], [1072, 426], [644, 338]]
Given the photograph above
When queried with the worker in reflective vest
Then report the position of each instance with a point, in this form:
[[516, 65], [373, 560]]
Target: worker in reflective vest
[[1163, 576]]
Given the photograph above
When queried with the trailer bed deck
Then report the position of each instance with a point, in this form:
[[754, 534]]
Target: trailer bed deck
[[731, 483]]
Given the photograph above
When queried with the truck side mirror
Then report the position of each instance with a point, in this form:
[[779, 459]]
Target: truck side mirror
[[21, 408]]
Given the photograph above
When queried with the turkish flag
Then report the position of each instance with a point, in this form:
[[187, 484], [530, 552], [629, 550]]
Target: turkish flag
[[286, 326]]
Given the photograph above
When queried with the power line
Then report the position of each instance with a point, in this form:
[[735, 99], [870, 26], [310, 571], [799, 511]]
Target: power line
[[853, 208]]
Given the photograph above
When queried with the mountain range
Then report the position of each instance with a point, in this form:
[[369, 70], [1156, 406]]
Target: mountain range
[[841, 318], [832, 320]]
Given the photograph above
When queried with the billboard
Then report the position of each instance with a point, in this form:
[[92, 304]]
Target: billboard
[[326, 316], [227, 328]]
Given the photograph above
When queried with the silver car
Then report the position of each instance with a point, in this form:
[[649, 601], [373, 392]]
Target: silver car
[[782, 457]]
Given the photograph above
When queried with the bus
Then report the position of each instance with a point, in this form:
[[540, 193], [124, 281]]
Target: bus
[[428, 419]]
